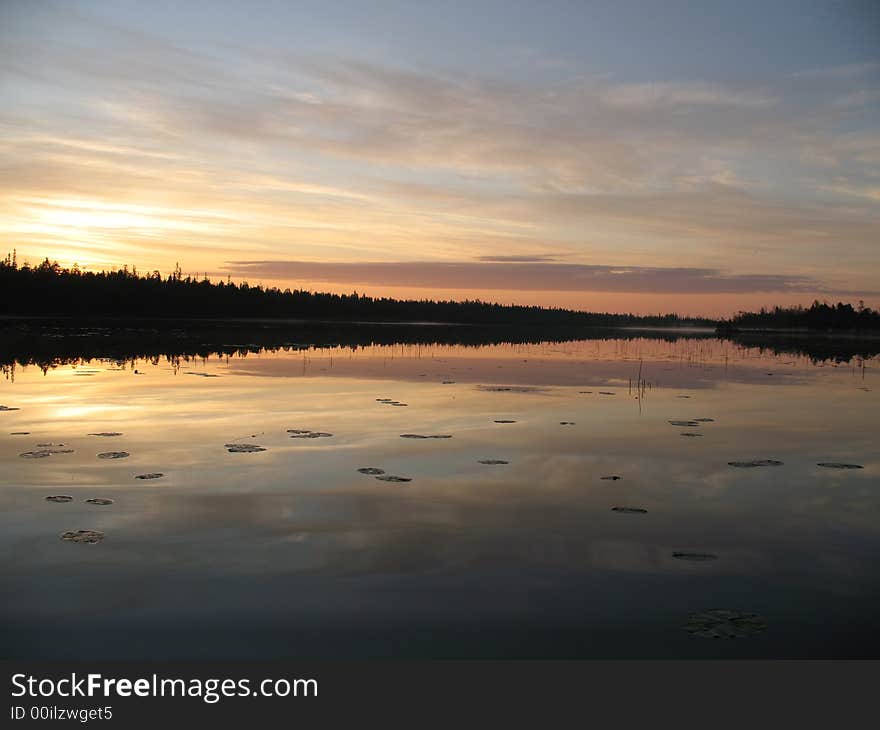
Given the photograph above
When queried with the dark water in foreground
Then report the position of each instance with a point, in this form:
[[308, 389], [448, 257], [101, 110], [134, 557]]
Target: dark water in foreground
[[291, 552]]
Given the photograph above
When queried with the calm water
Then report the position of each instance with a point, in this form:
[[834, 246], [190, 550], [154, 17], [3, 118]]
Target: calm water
[[291, 552]]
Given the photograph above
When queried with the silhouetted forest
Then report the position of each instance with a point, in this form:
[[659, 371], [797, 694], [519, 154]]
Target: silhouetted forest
[[85, 297], [820, 316], [48, 289]]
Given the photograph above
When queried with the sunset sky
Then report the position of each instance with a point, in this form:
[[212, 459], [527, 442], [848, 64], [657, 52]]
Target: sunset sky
[[699, 157]]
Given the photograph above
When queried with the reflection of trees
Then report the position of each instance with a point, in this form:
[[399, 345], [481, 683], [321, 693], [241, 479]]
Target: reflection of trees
[[50, 344], [816, 347]]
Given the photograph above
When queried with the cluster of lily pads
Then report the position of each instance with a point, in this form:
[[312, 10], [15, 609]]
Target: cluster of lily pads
[[713, 623], [690, 423], [44, 450], [382, 476], [65, 498]]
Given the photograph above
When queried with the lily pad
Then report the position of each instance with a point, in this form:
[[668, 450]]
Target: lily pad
[[839, 465], [151, 475], [423, 436], [694, 556], [106, 433], [114, 455], [630, 510], [43, 453], [509, 388], [611, 477], [754, 463], [60, 498], [243, 448], [98, 500], [722, 623], [392, 478], [87, 537], [492, 462], [296, 433], [371, 470]]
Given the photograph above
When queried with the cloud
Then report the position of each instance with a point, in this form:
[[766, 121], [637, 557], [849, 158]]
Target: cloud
[[527, 276], [645, 96], [516, 259], [331, 157]]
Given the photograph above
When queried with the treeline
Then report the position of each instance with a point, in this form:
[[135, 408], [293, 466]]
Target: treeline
[[819, 316], [49, 289]]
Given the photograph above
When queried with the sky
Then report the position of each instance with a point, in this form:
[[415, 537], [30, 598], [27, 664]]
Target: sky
[[696, 157]]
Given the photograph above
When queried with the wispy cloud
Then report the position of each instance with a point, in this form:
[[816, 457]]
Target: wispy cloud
[[281, 156], [527, 276], [516, 259]]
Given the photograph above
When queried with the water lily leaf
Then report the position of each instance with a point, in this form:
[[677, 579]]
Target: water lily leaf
[[423, 436], [694, 556], [297, 433], [754, 463], [87, 537]]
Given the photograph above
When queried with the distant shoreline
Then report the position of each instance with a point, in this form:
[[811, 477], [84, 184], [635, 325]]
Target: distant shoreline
[[172, 323]]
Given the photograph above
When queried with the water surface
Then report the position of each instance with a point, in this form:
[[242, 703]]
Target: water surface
[[292, 552]]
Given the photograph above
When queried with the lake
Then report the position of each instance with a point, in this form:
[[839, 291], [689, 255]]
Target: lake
[[292, 552]]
